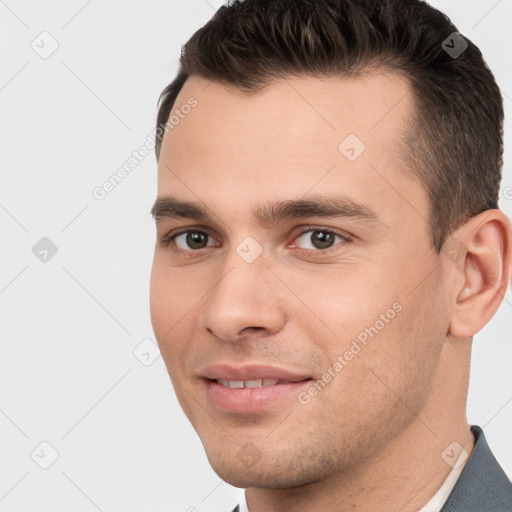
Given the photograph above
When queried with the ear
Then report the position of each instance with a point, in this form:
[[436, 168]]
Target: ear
[[483, 270]]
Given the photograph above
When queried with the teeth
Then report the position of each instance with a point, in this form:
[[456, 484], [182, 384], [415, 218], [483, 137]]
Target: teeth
[[255, 383]]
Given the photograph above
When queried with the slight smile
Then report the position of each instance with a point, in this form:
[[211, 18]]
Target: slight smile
[[251, 388]]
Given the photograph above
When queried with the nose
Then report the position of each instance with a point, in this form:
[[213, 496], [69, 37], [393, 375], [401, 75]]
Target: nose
[[244, 302]]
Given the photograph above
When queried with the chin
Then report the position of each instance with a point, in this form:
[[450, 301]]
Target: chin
[[268, 481], [262, 475], [233, 471], [241, 481]]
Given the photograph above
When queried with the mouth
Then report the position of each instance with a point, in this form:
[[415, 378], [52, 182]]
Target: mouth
[[251, 389]]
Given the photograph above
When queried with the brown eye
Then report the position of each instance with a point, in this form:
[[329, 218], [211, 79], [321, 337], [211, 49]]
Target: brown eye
[[190, 240], [320, 239]]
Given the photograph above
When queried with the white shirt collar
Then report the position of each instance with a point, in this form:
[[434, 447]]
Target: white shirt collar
[[243, 503]]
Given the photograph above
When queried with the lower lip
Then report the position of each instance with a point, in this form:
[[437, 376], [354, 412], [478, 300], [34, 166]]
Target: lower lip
[[251, 400]]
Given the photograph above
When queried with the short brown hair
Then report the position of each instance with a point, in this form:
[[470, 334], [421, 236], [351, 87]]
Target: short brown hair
[[453, 144]]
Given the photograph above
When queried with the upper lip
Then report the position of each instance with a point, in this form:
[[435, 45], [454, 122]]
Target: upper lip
[[250, 372]]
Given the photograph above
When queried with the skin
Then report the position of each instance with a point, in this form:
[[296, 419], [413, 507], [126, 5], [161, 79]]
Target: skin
[[374, 436]]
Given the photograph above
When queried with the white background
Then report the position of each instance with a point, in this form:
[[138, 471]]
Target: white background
[[68, 373]]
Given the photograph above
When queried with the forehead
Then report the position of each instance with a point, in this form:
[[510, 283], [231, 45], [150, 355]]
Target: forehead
[[315, 110], [295, 135]]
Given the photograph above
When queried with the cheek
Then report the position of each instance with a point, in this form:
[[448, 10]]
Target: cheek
[[400, 360], [169, 297], [167, 307], [341, 305], [385, 380], [166, 311], [158, 300], [376, 323]]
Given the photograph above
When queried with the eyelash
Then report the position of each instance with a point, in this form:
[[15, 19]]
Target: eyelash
[[169, 240]]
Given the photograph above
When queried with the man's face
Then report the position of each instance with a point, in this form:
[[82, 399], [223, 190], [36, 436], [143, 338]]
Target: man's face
[[337, 321]]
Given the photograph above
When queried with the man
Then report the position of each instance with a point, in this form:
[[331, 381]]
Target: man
[[328, 244]]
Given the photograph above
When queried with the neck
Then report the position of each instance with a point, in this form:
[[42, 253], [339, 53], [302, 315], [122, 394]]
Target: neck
[[408, 470]]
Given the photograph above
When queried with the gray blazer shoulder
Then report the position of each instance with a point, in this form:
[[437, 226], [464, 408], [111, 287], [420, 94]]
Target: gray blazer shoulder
[[482, 486]]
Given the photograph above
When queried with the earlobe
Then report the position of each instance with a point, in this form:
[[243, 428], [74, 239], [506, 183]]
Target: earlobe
[[484, 271]]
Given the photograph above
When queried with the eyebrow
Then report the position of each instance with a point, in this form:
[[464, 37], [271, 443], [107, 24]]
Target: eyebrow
[[169, 207]]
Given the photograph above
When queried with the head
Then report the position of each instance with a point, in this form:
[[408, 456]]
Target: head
[[344, 170]]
